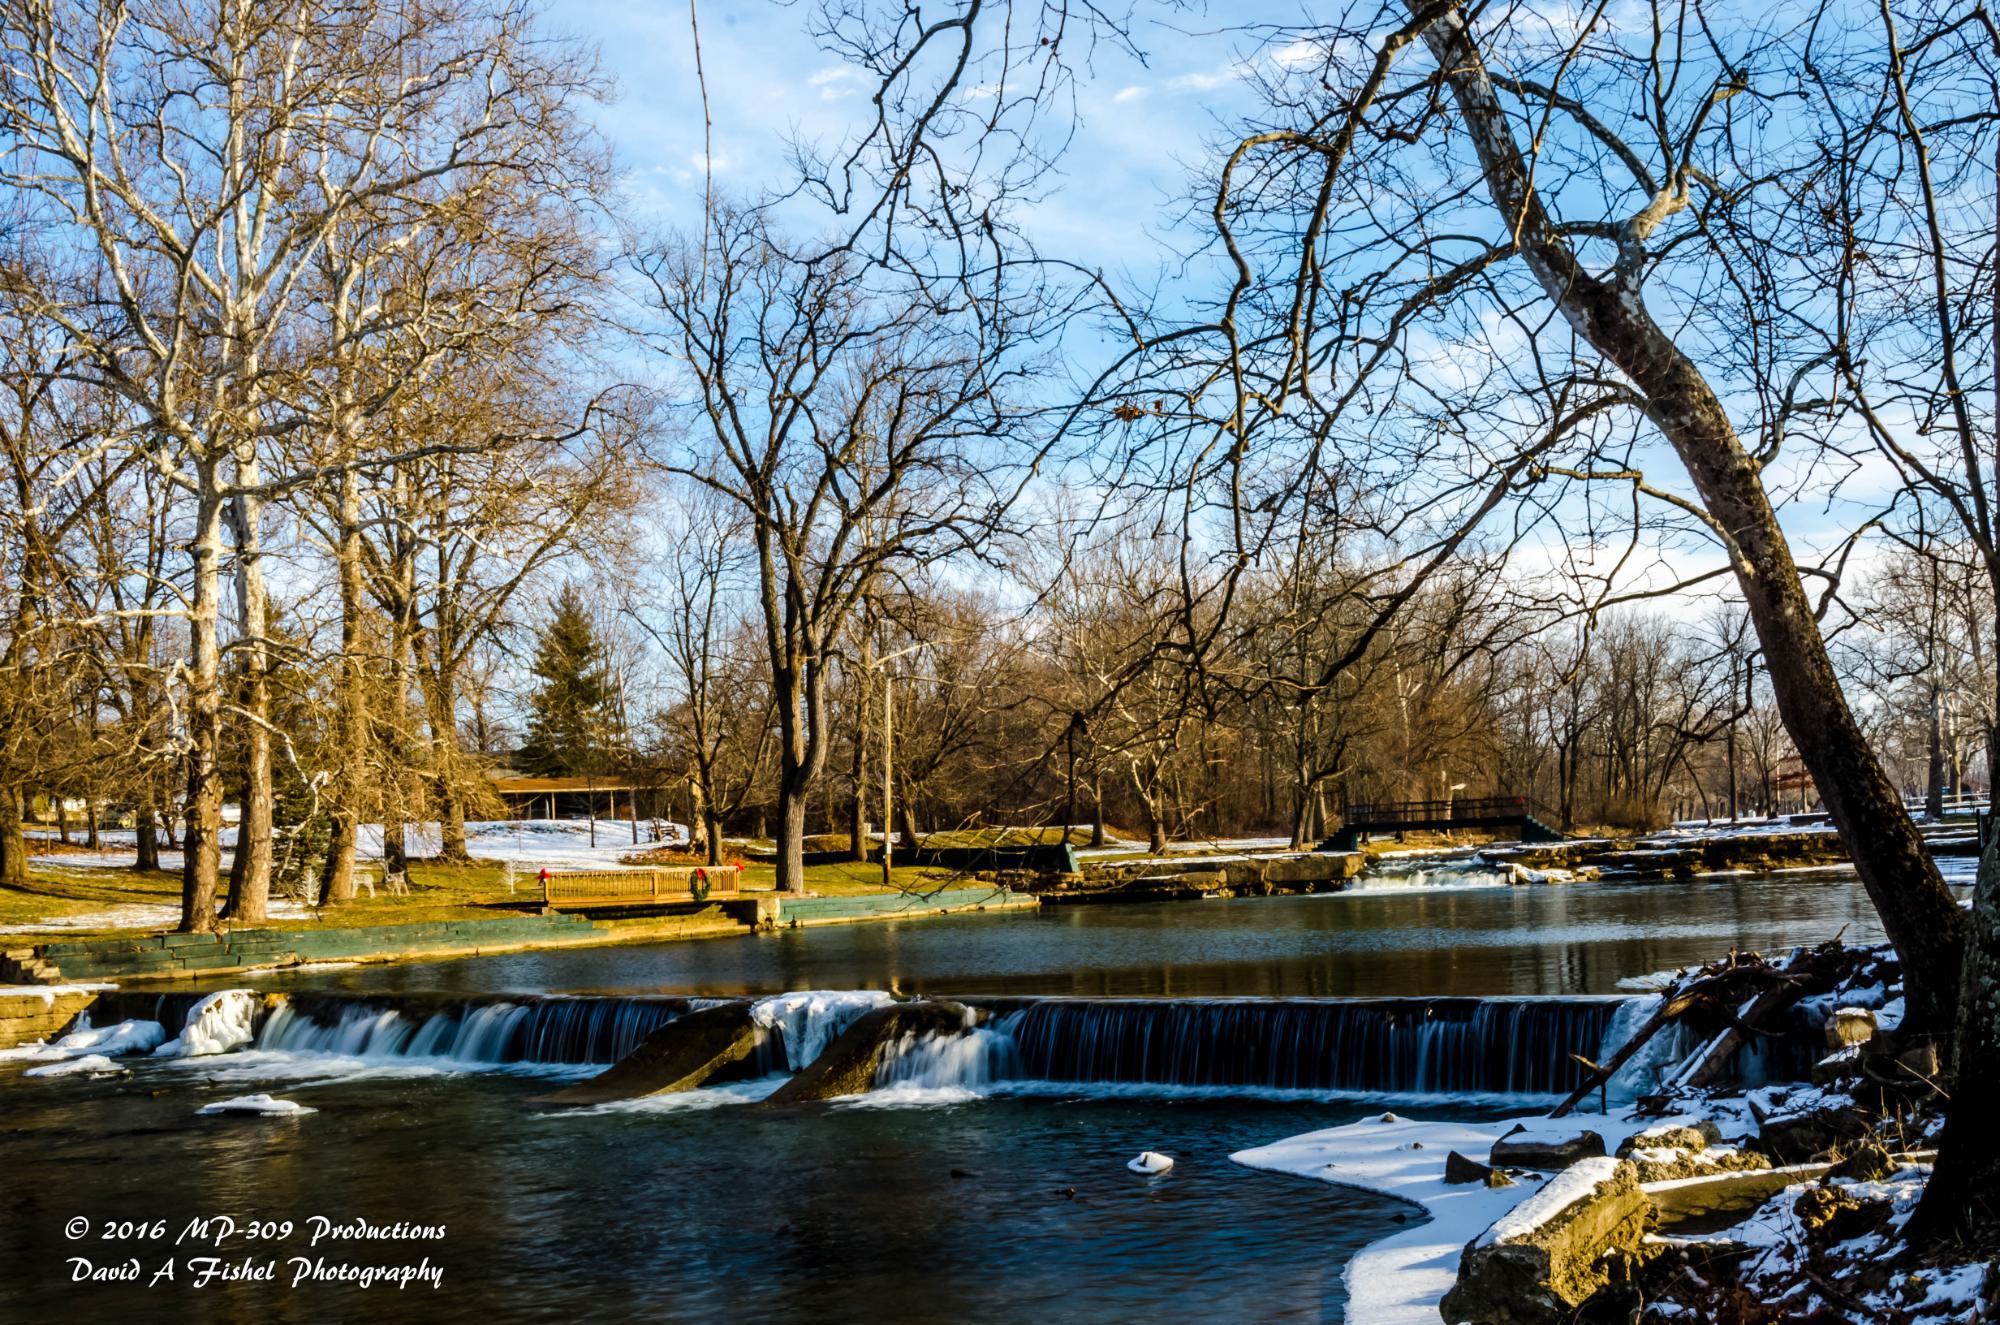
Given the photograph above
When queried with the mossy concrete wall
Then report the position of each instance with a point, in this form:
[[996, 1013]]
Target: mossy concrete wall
[[897, 906]]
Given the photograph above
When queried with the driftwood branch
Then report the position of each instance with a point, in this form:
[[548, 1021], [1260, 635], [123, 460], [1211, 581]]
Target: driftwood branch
[[1742, 980]]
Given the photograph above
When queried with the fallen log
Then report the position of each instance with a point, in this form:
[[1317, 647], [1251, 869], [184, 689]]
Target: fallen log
[[1720, 988]]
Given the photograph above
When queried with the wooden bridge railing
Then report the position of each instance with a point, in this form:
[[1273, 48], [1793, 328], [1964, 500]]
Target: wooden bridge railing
[[640, 887]]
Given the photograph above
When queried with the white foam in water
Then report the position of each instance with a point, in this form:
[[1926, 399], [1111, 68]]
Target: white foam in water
[[683, 1101], [255, 1104], [224, 1020], [87, 1065], [810, 1019], [973, 1061], [1398, 876]]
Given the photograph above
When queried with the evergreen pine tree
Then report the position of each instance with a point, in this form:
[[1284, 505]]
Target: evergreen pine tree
[[572, 716]]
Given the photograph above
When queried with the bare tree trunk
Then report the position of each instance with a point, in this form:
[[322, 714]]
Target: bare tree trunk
[[350, 715], [792, 833], [145, 828], [13, 842], [250, 872], [441, 715], [1917, 910], [1934, 772], [201, 847]]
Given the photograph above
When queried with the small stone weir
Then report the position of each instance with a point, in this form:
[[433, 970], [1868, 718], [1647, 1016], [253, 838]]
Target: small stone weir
[[1387, 1046], [552, 1030], [1391, 1045]]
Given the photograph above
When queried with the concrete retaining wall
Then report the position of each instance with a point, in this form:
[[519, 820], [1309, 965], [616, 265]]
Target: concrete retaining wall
[[892, 906], [39, 1014]]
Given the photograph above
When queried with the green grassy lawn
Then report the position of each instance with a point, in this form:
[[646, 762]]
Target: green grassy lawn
[[438, 891]]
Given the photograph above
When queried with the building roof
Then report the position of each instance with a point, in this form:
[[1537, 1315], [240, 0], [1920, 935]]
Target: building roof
[[516, 784]]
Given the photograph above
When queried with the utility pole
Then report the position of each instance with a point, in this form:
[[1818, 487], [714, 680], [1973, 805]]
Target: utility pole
[[888, 756]]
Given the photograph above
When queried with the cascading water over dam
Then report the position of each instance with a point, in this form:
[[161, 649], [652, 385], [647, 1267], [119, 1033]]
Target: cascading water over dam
[[1411, 1045], [1387, 1046], [530, 1030]]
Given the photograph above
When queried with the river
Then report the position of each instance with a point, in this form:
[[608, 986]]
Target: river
[[962, 1195]]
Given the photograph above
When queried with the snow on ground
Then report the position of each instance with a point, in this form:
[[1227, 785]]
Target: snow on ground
[[1401, 1279], [138, 915], [523, 843]]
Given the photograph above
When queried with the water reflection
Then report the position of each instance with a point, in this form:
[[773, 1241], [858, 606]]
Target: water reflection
[[1528, 940]]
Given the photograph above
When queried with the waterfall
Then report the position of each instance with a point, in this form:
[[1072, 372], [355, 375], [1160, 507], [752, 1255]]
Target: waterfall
[[1413, 1046], [810, 1019], [972, 1060], [541, 1030]]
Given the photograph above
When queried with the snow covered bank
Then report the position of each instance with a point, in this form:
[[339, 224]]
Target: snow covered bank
[[1401, 1279]]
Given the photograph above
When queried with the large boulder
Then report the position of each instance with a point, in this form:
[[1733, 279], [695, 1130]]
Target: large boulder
[[1544, 1151], [1674, 1133], [1801, 1125], [1540, 1262], [848, 1065], [686, 1052]]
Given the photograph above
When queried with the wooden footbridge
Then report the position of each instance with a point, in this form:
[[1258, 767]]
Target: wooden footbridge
[[1360, 822], [601, 890]]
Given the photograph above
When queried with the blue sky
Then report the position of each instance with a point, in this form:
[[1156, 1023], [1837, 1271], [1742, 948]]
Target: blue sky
[[1142, 127]]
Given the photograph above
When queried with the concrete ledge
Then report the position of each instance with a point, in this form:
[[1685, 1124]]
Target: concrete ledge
[[182, 956], [806, 911]]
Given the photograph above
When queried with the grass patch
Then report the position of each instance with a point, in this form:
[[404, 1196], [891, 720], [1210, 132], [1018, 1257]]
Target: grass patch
[[439, 891]]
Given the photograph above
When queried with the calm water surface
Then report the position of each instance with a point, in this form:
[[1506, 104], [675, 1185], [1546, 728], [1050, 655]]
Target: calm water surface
[[1496, 940], [826, 1213], [987, 1209]]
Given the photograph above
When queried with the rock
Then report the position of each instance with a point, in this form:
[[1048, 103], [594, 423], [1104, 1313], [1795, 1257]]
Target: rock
[[1865, 1163], [1816, 1126], [849, 1063], [1845, 1026], [1458, 1169], [1696, 1134], [1548, 1256], [685, 1053], [1150, 1161], [1495, 1178], [1533, 1152], [1835, 1214], [1667, 1163]]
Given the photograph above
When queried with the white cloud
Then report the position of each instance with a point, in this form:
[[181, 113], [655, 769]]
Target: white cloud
[[833, 83], [1133, 93]]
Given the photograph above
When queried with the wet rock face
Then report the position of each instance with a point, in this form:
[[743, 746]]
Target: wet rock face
[[687, 1052], [1536, 1152], [1542, 1271]]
